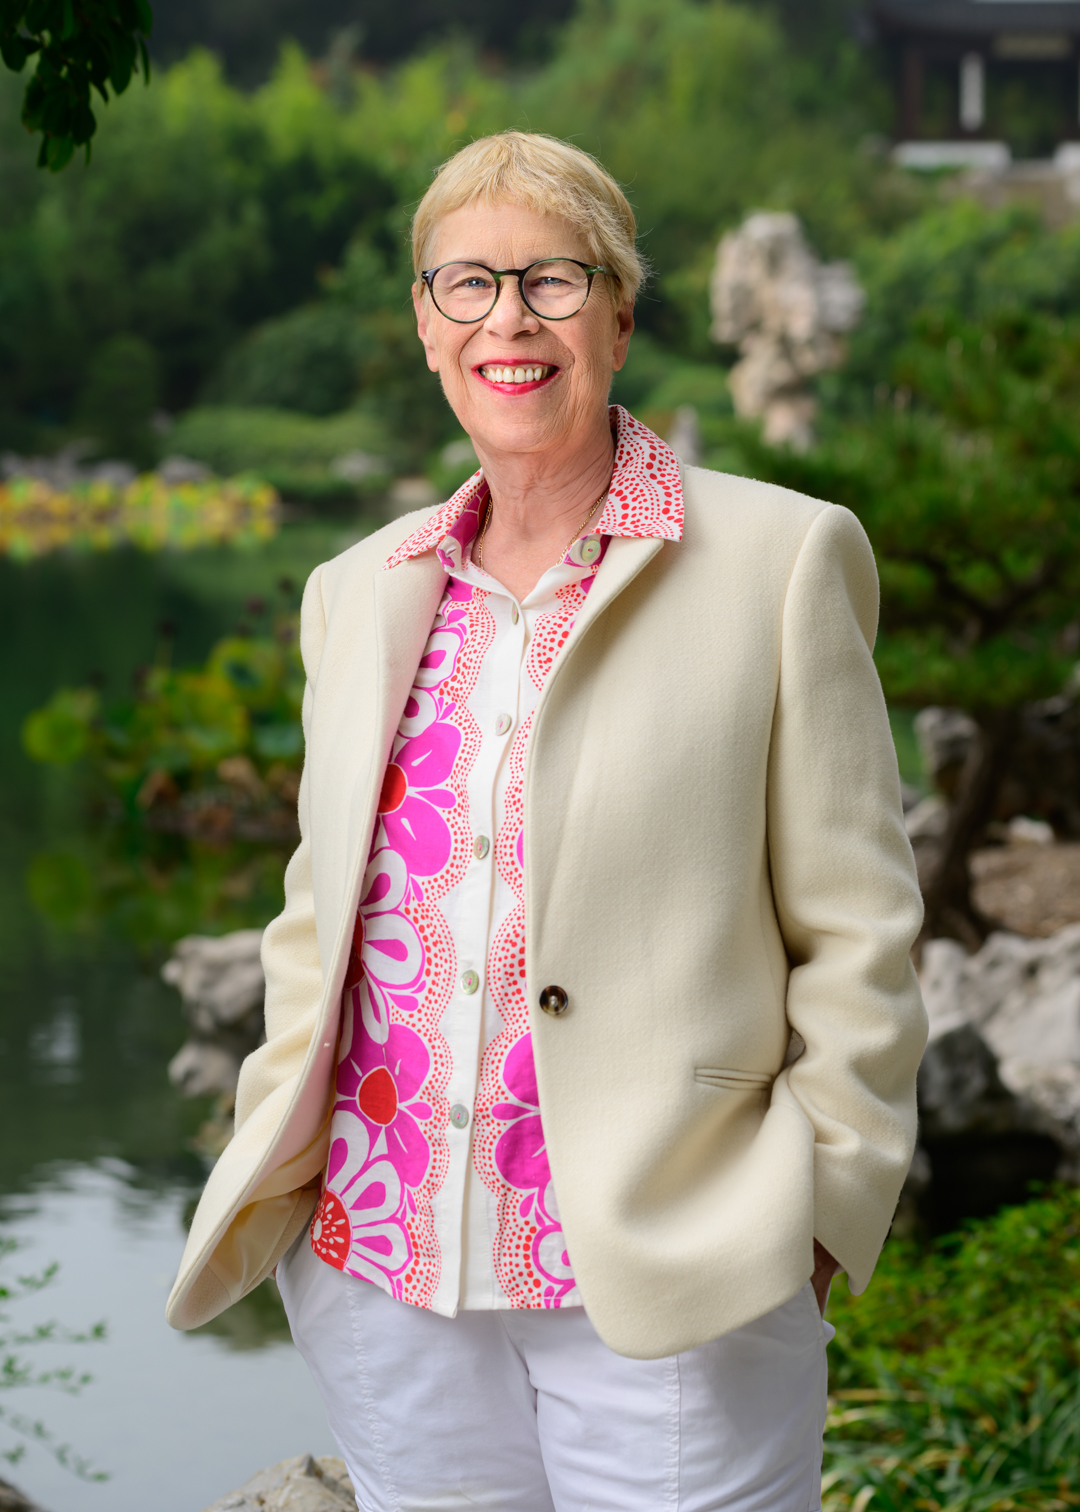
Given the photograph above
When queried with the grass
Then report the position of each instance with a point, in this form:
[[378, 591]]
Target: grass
[[954, 1379]]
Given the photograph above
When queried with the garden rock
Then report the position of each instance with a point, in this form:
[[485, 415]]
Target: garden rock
[[944, 737], [220, 981], [12, 1500], [304, 1484], [786, 311], [1004, 1051], [1041, 780]]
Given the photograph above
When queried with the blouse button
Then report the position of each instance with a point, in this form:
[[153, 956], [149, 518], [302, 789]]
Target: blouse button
[[502, 724], [481, 846], [553, 1000], [514, 615], [470, 981], [459, 1116]]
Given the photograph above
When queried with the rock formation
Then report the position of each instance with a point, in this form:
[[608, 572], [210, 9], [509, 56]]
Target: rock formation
[[12, 1499], [295, 1485], [221, 983], [999, 1085], [786, 311], [1042, 778]]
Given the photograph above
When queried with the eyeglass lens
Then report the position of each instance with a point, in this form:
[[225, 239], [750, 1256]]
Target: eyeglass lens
[[554, 288]]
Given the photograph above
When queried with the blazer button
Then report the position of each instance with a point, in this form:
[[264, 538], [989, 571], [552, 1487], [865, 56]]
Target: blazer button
[[553, 1000]]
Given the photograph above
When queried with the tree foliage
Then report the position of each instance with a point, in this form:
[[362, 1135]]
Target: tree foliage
[[79, 46], [952, 435]]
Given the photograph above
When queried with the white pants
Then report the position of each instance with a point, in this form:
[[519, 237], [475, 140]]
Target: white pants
[[529, 1411]]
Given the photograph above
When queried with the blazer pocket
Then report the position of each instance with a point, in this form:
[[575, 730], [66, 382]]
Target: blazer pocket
[[733, 1081]]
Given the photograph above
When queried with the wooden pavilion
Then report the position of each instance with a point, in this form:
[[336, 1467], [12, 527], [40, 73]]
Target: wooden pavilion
[[967, 70]]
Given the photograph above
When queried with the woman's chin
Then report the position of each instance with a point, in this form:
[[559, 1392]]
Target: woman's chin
[[517, 426]]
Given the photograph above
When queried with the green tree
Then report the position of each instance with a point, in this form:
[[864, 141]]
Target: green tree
[[208, 213], [79, 47], [703, 112], [964, 467]]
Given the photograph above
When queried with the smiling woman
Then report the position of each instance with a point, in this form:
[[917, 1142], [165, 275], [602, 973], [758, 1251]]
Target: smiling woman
[[591, 1024]]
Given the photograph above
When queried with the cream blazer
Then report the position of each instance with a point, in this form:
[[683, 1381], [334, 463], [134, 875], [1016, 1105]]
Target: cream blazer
[[716, 873]]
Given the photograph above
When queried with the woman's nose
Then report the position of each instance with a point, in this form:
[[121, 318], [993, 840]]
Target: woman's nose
[[510, 314]]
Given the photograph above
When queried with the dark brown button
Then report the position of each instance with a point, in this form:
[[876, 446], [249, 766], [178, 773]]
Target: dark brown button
[[553, 1000]]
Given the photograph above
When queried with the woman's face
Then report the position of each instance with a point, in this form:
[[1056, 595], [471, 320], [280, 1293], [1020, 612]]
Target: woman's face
[[577, 356]]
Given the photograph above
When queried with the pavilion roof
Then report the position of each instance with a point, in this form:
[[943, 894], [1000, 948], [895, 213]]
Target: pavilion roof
[[979, 17]]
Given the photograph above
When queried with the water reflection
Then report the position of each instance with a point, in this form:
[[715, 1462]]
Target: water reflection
[[174, 1419], [97, 1168]]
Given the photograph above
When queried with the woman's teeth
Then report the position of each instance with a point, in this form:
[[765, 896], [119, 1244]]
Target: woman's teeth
[[515, 374]]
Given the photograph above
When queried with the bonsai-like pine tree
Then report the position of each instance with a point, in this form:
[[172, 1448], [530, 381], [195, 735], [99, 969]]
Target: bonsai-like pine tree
[[966, 476]]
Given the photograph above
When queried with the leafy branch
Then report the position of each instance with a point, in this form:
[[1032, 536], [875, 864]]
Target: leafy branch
[[80, 46], [17, 1372]]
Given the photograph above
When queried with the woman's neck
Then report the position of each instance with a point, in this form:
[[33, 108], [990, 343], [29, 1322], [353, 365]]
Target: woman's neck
[[538, 500]]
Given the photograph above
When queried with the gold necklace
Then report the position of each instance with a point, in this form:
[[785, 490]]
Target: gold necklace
[[487, 521]]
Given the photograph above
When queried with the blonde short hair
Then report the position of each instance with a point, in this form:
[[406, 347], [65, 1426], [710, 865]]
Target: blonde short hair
[[543, 174]]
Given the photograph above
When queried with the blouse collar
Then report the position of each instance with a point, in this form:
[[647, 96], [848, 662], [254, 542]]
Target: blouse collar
[[645, 499]]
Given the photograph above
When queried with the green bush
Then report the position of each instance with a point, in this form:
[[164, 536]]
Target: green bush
[[307, 360], [172, 738], [996, 1305], [953, 1379], [293, 452]]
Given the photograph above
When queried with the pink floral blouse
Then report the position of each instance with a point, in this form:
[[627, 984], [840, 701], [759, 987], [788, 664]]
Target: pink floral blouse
[[437, 1186]]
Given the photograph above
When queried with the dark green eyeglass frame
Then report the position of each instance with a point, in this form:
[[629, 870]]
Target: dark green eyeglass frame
[[498, 274]]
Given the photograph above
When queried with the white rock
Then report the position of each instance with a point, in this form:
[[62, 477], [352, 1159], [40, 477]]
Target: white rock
[[201, 1068], [1025, 831], [220, 979], [786, 312], [1022, 998], [944, 737], [180, 469], [928, 819], [355, 466], [303, 1484], [12, 1499]]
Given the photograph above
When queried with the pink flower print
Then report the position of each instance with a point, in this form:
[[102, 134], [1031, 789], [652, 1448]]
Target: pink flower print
[[413, 797], [521, 1154], [378, 1082], [357, 1225], [521, 1159], [387, 957]]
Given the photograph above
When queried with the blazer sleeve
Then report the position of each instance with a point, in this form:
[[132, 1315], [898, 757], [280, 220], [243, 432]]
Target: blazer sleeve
[[846, 895]]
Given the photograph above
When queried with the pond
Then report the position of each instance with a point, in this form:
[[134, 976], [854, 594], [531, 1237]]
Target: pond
[[97, 1171]]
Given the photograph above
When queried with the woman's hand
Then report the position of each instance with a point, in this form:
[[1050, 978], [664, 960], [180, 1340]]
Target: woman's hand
[[825, 1268]]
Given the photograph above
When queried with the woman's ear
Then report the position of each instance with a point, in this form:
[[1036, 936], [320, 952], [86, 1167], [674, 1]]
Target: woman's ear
[[624, 329], [423, 325]]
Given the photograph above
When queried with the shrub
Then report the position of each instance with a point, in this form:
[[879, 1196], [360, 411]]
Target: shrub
[[212, 751], [294, 452], [954, 1378]]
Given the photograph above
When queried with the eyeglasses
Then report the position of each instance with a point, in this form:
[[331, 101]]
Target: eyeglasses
[[553, 288]]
